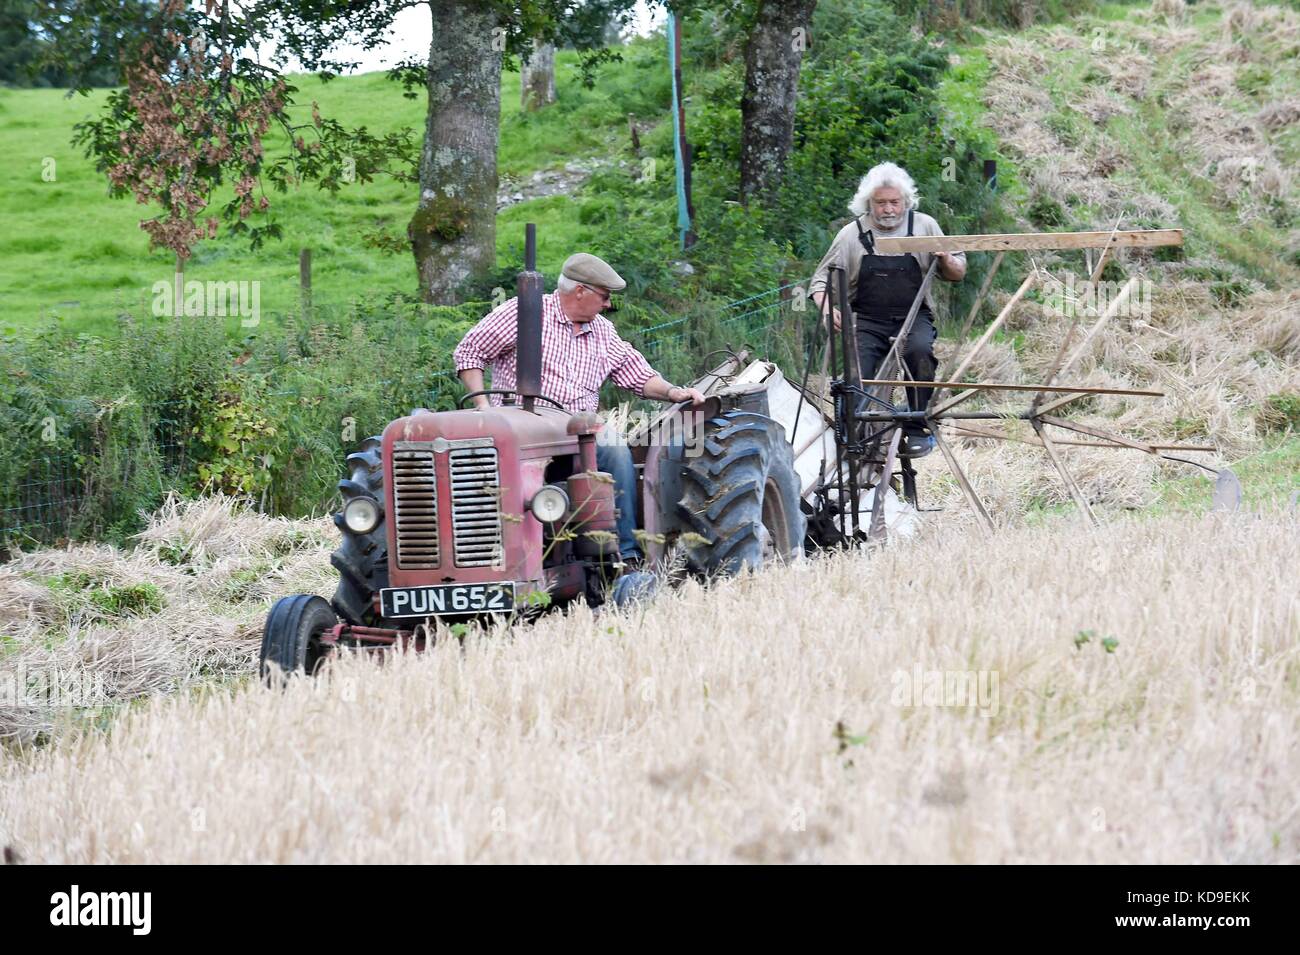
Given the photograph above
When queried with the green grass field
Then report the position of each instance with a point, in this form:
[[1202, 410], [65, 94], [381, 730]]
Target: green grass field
[[70, 253]]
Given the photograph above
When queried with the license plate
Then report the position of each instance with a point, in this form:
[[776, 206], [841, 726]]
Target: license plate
[[446, 599]]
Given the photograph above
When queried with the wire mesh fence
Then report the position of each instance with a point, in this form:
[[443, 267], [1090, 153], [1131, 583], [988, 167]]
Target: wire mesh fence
[[48, 501]]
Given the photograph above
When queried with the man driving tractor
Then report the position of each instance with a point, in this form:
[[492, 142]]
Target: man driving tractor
[[580, 350], [882, 286]]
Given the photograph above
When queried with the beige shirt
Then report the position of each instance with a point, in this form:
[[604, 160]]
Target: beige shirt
[[847, 252]]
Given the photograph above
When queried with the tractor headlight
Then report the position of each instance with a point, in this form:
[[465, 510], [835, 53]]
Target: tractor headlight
[[361, 515], [549, 504]]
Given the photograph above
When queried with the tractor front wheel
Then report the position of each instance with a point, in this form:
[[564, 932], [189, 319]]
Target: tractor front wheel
[[291, 640]]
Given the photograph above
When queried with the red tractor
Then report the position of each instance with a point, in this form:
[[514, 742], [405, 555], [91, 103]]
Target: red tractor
[[458, 515]]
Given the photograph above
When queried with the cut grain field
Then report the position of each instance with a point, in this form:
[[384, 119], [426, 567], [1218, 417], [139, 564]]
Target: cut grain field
[[1054, 694]]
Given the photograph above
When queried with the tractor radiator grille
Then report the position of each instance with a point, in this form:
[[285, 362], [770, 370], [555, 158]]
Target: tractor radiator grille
[[475, 506], [415, 500]]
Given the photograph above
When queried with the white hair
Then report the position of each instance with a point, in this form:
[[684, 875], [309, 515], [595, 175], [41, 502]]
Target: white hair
[[565, 284], [884, 174]]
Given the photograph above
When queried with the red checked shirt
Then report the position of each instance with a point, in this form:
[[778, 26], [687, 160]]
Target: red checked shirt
[[575, 363]]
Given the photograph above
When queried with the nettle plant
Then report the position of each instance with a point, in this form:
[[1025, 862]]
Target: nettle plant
[[236, 435]]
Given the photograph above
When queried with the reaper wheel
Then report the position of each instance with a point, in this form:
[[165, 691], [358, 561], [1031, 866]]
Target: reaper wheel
[[740, 497], [362, 559], [633, 588], [291, 639]]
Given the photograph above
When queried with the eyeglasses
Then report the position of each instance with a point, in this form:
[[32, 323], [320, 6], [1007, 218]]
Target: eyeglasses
[[604, 296]]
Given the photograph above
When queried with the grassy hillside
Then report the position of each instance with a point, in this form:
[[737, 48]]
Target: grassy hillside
[[71, 252], [1156, 117], [1185, 118]]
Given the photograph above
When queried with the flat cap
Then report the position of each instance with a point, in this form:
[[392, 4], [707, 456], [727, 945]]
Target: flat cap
[[590, 270]]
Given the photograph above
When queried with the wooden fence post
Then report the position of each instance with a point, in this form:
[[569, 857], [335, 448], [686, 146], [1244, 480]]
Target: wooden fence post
[[304, 280], [178, 288]]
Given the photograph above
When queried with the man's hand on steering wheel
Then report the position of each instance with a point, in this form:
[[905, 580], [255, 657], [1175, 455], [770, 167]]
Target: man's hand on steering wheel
[[693, 395]]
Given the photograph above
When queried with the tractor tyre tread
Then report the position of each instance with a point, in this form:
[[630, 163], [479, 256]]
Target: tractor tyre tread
[[362, 559], [746, 456]]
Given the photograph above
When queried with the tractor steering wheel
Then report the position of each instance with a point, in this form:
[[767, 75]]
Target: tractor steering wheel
[[501, 391]]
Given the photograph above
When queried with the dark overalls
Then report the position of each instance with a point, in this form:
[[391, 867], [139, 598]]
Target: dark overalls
[[886, 287]]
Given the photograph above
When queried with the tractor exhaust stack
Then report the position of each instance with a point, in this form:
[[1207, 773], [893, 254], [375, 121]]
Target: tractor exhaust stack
[[528, 345]]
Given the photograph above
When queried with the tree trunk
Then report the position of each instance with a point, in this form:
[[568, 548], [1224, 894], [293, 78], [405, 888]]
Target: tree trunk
[[537, 78], [773, 55], [944, 16], [453, 231]]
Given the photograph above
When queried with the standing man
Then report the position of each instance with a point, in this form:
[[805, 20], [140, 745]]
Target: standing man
[[580, 349], [882, 286]]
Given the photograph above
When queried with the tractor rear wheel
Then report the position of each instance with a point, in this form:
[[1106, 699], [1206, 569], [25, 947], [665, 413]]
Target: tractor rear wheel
[[291, 640], [362, 559], [740, 497]]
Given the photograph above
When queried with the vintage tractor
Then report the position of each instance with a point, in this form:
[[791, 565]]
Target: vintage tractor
[[455, 515], [468, 513]]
